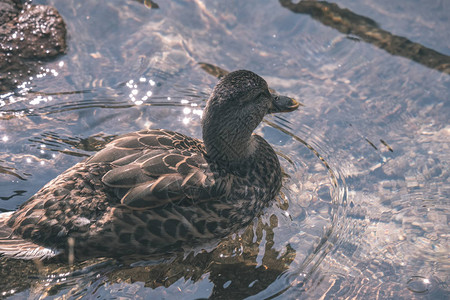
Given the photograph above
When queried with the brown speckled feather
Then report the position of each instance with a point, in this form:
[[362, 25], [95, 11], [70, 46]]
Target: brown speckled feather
[[81, 200], [170, 167]]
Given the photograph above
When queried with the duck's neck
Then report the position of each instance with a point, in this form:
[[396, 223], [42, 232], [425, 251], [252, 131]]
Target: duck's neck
[[228, 140], [229, 147]]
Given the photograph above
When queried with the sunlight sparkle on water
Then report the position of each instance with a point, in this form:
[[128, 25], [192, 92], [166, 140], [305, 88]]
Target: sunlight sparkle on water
[[5, 138], [139, 93], [130, 83], [40, 99], [198, 112]]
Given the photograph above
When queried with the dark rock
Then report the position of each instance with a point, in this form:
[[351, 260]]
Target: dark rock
[[29, 35]]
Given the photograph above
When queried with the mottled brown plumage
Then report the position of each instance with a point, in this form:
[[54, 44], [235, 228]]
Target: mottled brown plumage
[[155, 191]]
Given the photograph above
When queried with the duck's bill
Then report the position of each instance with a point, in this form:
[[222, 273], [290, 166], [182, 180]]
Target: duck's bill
[[283, 104]]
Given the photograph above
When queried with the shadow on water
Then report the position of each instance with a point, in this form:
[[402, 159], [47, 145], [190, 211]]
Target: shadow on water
[[233, 267]]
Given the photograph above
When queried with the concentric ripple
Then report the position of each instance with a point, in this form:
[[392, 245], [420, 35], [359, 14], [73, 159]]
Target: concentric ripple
[[315, 190]]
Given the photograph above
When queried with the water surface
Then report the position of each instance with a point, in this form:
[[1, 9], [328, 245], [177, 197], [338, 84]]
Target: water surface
[[364, 209]]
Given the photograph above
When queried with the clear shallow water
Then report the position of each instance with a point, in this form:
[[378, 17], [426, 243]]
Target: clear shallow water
[[364, 209]]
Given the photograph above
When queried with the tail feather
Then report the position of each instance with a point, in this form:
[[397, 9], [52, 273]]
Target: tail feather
[[15, 247]]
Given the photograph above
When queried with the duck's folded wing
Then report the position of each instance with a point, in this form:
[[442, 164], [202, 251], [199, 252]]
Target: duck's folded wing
[[129, 147], [159, 177]]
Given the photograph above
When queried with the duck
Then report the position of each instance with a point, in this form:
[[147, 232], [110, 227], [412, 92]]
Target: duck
[[158, 191]]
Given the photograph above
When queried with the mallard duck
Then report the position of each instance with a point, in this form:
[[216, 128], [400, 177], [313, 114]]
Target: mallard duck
[[157, 191]]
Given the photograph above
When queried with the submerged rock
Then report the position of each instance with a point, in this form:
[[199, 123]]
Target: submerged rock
[[29, 35]]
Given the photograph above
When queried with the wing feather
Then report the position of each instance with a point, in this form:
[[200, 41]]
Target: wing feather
[[126, 176], [156, 167]]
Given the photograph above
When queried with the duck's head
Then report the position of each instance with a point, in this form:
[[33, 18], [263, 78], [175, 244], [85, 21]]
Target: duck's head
[[236, 106]]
